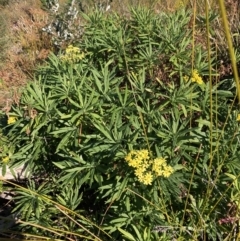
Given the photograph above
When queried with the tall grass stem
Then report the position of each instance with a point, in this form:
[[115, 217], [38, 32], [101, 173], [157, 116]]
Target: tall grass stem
[[230, 46]]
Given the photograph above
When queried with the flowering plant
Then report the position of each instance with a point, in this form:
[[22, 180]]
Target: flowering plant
[[145, 168], [112, 120], [72, 55], [195, 77]]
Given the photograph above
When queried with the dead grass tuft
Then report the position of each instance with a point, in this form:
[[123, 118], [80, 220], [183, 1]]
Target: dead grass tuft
[[23, 51]]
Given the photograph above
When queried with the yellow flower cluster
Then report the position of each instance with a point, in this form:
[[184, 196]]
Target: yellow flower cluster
[[238, 117], [11, 120], [146, 168], [178, 4], [72, 55], [195, 77], [5, 160], [161, 168]]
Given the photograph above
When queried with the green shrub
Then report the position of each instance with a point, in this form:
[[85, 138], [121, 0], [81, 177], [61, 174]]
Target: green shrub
[[133, 88]]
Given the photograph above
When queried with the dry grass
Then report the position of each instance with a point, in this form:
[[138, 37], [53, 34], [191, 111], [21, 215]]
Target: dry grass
[[24, 48]]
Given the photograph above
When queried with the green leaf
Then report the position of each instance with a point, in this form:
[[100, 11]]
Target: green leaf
[[137, 232], [127, 204], [4, 169], [63, 130], [118, 221], [127, 235], [103, 129], [62, 144], [63, 116], [146, 234]]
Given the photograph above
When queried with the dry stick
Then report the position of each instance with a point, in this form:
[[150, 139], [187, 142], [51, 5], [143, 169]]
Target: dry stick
[[189, 188], [230, 109], [56, 204], [44, 228], [152, 204], [193, 52], [213, 183], [230, 46], [78, 225], [145, 199], [104, 215], [37, 237], [52, 229], [209, 187], [140, 114], [236, 178]]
